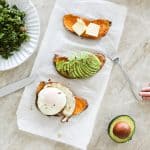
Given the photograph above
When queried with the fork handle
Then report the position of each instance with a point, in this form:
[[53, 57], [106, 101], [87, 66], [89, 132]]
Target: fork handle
[[132, 86]]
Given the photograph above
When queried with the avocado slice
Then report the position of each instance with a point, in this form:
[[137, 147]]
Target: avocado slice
[[73, 71], [65, 69], [87, 69], [121, 128], [59, 67], [79, 71], [79, 68], [94, 71], [83, 65], [76, 71], [90, 68], [84, 74], [94, 63]]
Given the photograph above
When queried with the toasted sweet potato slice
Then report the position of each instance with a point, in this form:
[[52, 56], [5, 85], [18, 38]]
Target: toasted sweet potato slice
[[102, 58], [40, 87], [58, 58], [69, 20], [81, 105]]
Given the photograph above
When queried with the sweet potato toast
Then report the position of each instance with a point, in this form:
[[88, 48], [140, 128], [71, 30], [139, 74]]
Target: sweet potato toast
[[69, 20], [101, 57], [81, 105], [75, 68], [40, 87]]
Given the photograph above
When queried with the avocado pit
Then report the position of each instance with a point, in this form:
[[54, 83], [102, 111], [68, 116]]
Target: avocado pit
[[122, 130]]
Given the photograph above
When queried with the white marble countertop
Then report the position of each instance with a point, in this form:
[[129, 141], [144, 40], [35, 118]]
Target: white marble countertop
[[134, 51]]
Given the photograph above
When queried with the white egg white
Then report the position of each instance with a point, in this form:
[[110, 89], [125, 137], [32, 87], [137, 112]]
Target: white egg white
[[51, 100], [70, 100]]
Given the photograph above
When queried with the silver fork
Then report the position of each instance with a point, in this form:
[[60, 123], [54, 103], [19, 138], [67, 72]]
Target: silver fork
[[134, 89]]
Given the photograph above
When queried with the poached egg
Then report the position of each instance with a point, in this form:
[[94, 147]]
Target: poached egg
[[54, 98], [51, 101]]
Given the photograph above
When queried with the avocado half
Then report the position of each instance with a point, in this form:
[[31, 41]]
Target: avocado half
[[129, 126], [82, 65]]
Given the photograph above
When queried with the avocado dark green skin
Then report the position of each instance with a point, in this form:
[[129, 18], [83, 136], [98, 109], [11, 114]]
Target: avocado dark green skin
[[114, 119]]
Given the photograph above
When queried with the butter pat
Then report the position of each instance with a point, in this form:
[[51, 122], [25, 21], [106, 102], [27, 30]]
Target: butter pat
[[79, 27], [93, 29]]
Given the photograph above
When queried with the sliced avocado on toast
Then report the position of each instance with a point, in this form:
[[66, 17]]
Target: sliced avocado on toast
[[121, 129], [81, 66]]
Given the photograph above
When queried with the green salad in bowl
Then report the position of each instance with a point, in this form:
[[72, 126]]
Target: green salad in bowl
[[12, 29], [19, 32]]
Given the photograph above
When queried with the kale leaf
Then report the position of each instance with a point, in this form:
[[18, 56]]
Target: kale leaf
[[12, 29]]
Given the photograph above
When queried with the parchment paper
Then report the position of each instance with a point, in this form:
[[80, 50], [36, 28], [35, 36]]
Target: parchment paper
[[78, 131]]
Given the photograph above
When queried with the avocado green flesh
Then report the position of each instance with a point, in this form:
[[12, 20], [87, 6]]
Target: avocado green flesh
[[80, 75], [90, 66], [122, 118], [80, 72], [69, 69], [81, 66], [94, 65], [59, 68], [87, 71], [65, 69], [76, 72], [84, 74]]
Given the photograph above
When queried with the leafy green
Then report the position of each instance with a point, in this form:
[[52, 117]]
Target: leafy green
[[12, 29]]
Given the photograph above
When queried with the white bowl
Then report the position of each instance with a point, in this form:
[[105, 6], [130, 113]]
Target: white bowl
[[33, 30]]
